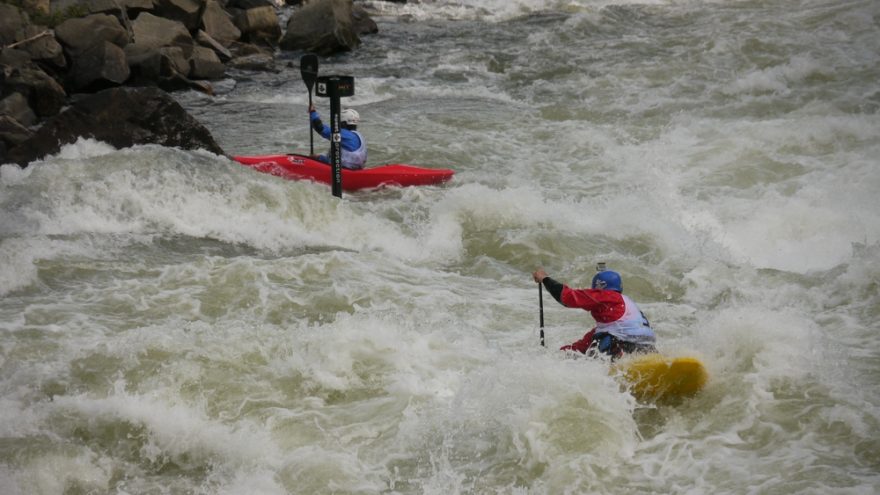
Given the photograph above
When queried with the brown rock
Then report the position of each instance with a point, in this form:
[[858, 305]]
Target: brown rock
[[12, 21], [81, 33], [218, 24], [121, 117], [205, 64], [204, 39], [100, 66], [45, 96], [259, 25], [254, 61], [155, 32], [42, 46], [187, 12], [324, 27]]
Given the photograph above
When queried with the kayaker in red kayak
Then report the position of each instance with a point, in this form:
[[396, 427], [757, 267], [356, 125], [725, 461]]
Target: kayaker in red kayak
[[621, 327], [354, 146]]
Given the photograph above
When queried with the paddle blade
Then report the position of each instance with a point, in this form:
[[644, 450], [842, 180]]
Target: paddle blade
[[308, 67]]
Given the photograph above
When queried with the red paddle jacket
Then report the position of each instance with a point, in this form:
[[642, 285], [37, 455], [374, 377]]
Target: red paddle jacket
[[606, 307]]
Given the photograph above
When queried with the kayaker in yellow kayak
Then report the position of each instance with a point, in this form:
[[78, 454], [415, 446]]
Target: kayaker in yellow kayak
[[621, 327]]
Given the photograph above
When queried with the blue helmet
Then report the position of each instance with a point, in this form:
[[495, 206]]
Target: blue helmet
[[609, 280]]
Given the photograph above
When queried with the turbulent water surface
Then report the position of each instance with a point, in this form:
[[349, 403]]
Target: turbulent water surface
[[175, 323]]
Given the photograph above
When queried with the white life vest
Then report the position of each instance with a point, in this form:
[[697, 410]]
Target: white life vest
[[631, 327], [355, 159]]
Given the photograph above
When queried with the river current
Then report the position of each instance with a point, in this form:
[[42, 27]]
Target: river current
[[174, 323]]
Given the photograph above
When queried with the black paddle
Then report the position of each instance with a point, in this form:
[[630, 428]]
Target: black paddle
[[308, 67], [541, 305]]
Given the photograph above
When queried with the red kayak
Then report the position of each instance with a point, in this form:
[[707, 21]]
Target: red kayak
[[300, 167]]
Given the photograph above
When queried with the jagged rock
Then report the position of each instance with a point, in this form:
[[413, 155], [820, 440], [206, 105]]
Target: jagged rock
[[42, 46], [16, 106], [240, 49], [79, 34], [155, 32], [167, 67], [144, 64], [204, 39], [41, 6], [100, 66], [15, 58], [121, 117], [363, 23], [324, 27], [218, 24], [187, 12], [45, 96], [202, 86], [132, 7], [204, 64], [248, 4], [94, 46], [12, 132], [174, 62], [12, 20], [254, 61], [259, 25]]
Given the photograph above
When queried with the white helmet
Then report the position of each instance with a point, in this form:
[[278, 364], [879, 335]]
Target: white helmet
[[350, 117]]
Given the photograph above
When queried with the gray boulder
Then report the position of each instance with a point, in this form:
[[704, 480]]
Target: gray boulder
[[100, 66], [164, 66], [12, 133], [94, 44], [16, 107], [323, 27], [13, 58], [363, 23], [121, 117]]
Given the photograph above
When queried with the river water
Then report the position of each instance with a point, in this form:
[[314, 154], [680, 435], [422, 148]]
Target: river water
[[175, 323]]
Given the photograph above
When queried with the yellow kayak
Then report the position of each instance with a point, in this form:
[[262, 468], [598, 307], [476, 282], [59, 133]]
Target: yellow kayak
[[658, 378]]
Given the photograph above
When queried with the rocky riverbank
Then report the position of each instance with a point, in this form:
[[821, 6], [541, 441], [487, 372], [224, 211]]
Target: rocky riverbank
[[102, 68]]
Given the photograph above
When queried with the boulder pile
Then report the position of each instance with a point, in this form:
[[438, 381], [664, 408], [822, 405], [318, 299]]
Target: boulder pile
[[65, 64]]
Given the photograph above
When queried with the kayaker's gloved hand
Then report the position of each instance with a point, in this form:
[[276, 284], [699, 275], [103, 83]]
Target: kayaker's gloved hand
[[581, 345], [317, 125], [539, 275]]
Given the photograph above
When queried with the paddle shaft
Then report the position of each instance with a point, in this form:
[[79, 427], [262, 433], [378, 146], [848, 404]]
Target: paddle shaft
[[308, 66], [311, 131], [541, 307]]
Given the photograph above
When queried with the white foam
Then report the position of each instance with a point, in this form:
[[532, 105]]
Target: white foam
[[491, 10], [176, 429]]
